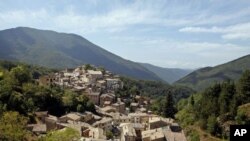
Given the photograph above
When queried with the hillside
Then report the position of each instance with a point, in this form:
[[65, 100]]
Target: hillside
[[169, 75], [60, 50], [217, 107], [204, 77]]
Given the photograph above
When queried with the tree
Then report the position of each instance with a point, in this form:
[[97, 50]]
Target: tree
[[157, 105], [91, 107], [12, 126], [16, 102], [169, 109], [226, 95], [192, 100], [206, 105], [1, 75], [2, 108], [83, 100], [89, 67], [243, 88], [194, 136], [102, 69], [212, 125], [21, 74], [69, 100], [80, 108], [134, 90]]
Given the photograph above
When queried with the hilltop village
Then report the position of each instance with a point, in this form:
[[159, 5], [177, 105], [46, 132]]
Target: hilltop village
[[113, 119]]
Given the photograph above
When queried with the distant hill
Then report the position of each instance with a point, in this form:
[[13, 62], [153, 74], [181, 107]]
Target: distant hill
[[61, 50], [169, 75], [204, 77]]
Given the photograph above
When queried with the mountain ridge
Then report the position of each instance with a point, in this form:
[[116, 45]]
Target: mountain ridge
[[63, 50], [206, 76], [169, 75]]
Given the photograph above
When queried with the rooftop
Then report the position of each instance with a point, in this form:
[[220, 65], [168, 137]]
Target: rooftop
[[174, 136], [92, 72], [73, 116], [51, 117], [117, 115], [118, 103], [153, 134], [107, 103], [101, 81], [112, 79], [137, 114], [39, 128], [94, 93], [103, 120], [134, 104], [41, 113], [108, 95], [107, 108]]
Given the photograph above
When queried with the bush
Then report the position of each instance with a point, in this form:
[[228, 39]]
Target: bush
[[13, 127], [66, 134], [194, 136]]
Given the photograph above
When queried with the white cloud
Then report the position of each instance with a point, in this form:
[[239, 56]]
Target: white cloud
[[238, 31], [113, 21], [174, 53], [39, 19], [161, 13], [201, 29]]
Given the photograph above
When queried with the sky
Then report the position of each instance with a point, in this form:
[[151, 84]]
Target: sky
[[167, 33]]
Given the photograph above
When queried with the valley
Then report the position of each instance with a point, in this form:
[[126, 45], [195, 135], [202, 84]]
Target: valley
[[62, 85]]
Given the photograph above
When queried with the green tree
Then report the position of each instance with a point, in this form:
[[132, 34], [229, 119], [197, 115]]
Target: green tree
[[89, 67], [243, 88], [169, 109], [212, 126], [1, 74], [194, 136], [29, 90], [21, 74], [80, 108], [157, 105], [16, 102], [70, 100], [102, 69], [192, 100], [83, 100], [3, 108], [12, 127], [91, 107], [133, 91], [226, 96], [206, 105]]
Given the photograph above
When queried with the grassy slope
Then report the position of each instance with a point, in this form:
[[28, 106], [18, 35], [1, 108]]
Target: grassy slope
[[245, 109], [204, 136]]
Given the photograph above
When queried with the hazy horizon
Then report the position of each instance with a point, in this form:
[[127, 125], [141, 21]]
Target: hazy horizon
[[170, 34]]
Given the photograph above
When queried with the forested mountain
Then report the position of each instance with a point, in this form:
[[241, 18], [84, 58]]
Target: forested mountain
[[61, 50], [169, 75], [202, 78]]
